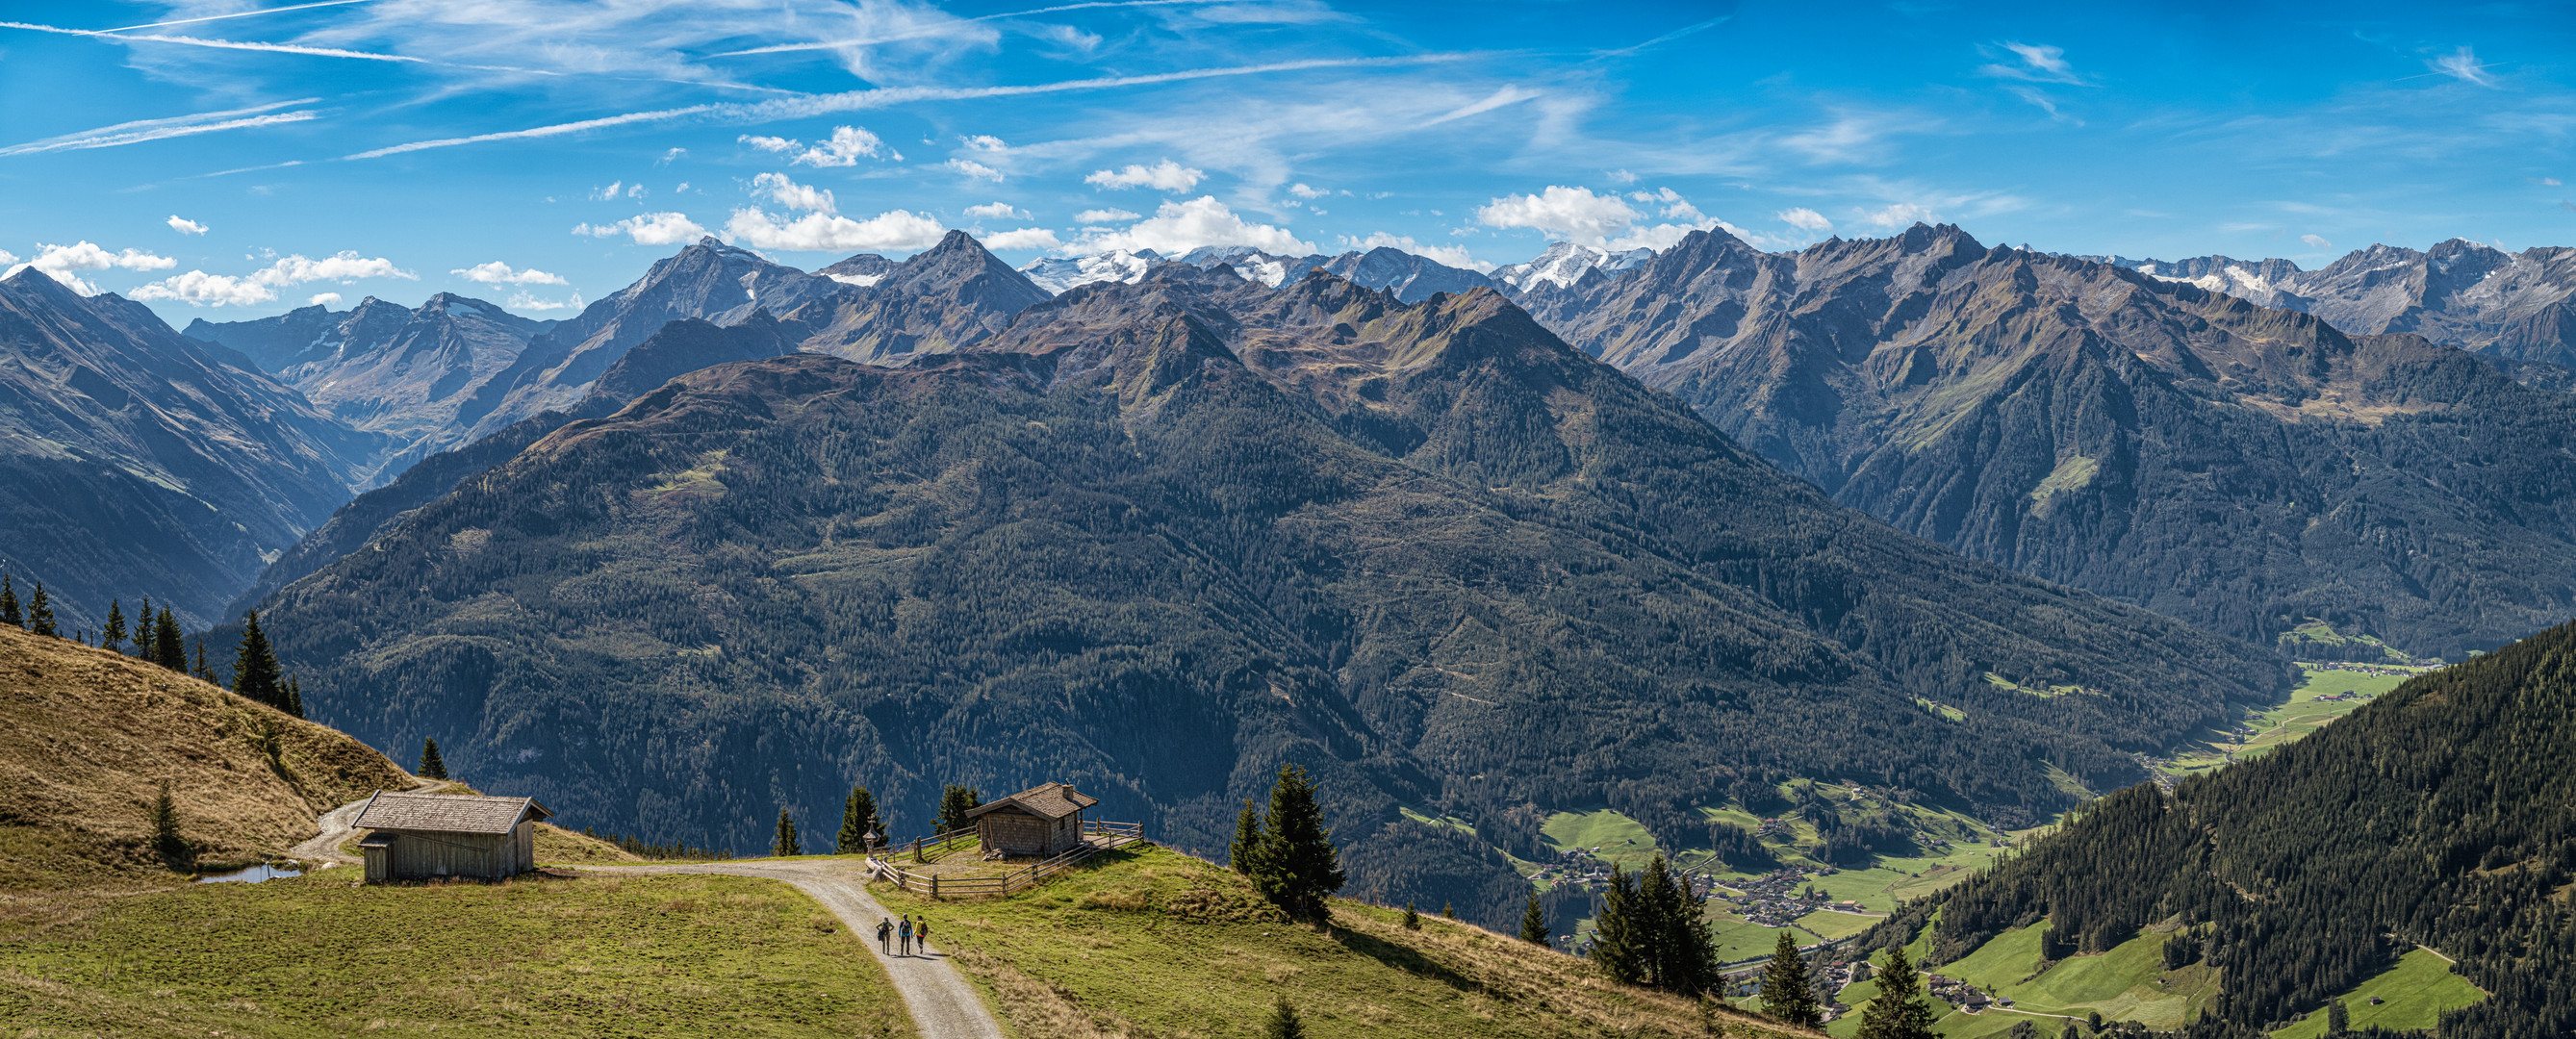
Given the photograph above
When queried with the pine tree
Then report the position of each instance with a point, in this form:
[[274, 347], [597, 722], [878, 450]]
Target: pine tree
[[40, 614], [169, 646], [255, 673], [2338, 1020], [431, 765], [205, 672], [1617, 947], [1680, 955], [1534, 922], [858, 822], [1785, 993], [114, 633], [1898, 1012], [1448, 912], [143, 630], [1245, 853], [786, 844], [1299, 867], [1283, 1022], [295, 697], [9, 614], [1412, 920], [954, 803], [166, 839]]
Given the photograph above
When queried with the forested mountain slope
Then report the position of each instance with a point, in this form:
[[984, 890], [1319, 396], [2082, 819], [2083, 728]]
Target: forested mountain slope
[[1155, 539], [2238, 467], [2442, 814], [139, 462]]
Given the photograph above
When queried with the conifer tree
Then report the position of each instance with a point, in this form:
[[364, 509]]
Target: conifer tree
[[858, 821], [143, 630], [1681, 957], [1534, 922], [786, 844], [295, 697], [1786, 995], [2338, 1020], [1412, 920], [431, 765], [1448, 911], [112, 636], [9, 614], [255, 673], [1617, 947], [169, 646], [954, 803], [205, 672], [1299, 867], [1245, 853], [1899, 1011], [1282, 1022], [40, 613], [166, 839]]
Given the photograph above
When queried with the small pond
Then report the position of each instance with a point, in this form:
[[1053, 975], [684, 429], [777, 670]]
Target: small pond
[[251, 874]]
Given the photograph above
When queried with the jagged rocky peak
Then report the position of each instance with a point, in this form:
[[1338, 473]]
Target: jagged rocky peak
[[1563, 264], [862, 270]]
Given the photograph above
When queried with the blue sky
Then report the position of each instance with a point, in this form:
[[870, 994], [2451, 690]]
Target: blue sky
[[232, 159]]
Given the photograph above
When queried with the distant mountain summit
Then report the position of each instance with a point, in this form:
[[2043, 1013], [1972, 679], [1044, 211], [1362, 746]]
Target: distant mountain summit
[[141, 462], [948, 297]]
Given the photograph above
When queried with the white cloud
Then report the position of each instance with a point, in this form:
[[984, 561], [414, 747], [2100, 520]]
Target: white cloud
[[185, 226], [648, 229], [1571, 214], [2462, 65], [2317, 241], [1302, 191], [260, 286], [1453, 255], [671, 156], [1178, 227], [208, 290], [344, 266], [999, 211], [60, 261], [793, 195], [323, 299], [1806, 219], [769, 144], [1162, 176], [617, 189], [1900, 214], [821, 232], [9, 257], [1104, 216], [499, 273], [975, 170], [521, 300], [1024, 238], [142, 130], [1507, 95], [2039, 64], [984, 142], [847, 145]]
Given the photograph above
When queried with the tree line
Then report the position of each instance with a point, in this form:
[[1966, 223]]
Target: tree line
[[157, 638]]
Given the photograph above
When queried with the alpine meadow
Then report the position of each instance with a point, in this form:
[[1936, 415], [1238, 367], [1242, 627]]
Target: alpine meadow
[[1217, 519]]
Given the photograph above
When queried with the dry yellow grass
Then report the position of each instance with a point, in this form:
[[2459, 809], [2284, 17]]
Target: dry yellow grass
[[90, 738]]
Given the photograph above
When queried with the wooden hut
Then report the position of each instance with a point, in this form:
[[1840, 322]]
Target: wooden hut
[[419, 836], [1044, 820]]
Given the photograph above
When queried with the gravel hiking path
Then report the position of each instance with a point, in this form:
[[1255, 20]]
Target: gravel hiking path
[[336, 828], [942, 1004]]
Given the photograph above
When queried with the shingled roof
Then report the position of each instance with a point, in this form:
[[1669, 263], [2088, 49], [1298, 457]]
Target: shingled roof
[[447, 813], [1047, 800]]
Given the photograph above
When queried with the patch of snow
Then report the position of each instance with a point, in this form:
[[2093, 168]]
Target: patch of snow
[[860, 280]]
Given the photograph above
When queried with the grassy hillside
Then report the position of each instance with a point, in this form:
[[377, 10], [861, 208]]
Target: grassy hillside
[[318, 956], [91, 736], [1148, 941], [2325, 693], [2413, 994]]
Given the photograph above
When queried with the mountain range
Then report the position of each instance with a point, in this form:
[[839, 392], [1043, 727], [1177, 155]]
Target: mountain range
[[1154, 539]]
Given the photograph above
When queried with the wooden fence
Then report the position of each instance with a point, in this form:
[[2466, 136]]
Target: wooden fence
[[1108, 835]]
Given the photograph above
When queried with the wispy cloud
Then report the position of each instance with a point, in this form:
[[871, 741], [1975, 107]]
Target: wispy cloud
[[141, 130], [2462, 65], [1506, 95], [239, 14], [1695, 27], [2038, 63]]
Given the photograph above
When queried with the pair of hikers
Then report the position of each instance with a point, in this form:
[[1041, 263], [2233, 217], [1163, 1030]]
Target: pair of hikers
[[910, 931]]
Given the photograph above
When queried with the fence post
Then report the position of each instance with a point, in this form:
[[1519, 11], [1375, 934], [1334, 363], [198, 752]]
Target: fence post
[[934, 887]]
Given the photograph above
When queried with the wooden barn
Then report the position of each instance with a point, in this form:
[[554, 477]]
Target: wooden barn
[[1044, 820], [421, 836]]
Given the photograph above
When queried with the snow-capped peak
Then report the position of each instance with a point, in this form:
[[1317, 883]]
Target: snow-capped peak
[[1056, 274], [1565, 263]]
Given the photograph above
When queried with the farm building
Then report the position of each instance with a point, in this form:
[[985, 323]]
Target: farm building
[[420, 836], [1044, 820]]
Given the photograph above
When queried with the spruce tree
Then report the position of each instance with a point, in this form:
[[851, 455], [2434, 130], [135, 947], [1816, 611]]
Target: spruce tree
[[954, 803], [858, 820], [1299, 867], [1680, 956], [2022, 1030], [431, 765], [1898, 1012], [143, 630], [205, 672], [111, 636], [9, 614], [166, 839], [1617, 946], [169, 646], [1412, 920], [786, 844], [1786, 995], [40, 614], [255, 673], [2338, 1020], [1534, 922], [1282, 1022], [295, 697], [1245, 853], [1448, 911]]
